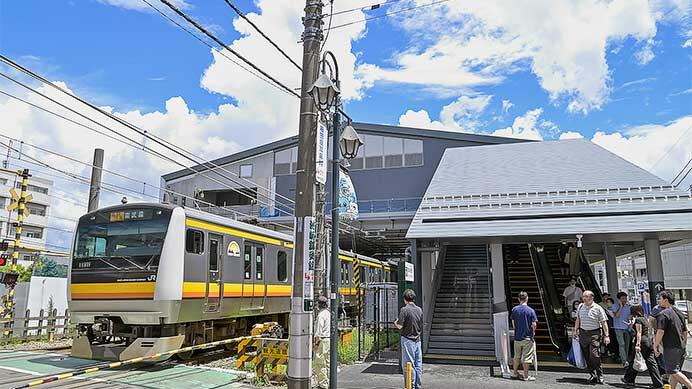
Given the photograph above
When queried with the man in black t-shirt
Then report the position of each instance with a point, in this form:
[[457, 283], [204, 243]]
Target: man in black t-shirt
[[410, 325], [671, 334]]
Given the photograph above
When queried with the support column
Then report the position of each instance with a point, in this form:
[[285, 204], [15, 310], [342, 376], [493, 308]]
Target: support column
[[95, 187], [654, 268], [417, 271], [500, 309], [611, 269]]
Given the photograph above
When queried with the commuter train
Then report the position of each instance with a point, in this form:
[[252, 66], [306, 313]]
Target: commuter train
[[147, 278]]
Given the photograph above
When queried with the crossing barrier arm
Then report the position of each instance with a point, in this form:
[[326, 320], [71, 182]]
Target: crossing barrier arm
[[113, 365]]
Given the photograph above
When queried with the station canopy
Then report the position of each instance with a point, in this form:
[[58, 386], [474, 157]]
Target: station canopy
[[552, 190]]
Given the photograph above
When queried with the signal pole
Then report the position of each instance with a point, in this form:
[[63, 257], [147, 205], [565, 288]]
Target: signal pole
[[21, 209], [300, 329], [96, 173]]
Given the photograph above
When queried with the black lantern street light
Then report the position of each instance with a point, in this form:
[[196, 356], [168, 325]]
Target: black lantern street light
[[325, 91]]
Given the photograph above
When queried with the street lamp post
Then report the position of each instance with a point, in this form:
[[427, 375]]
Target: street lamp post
[[326, 92]]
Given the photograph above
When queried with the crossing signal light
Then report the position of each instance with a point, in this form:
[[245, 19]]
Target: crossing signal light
[[3, 259], [4, 246]]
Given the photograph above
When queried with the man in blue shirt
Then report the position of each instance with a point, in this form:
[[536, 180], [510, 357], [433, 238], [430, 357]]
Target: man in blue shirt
[[524, 321], [621, 318]]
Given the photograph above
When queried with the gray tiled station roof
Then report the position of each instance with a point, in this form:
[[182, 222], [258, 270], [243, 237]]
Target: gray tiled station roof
[[546, 189]]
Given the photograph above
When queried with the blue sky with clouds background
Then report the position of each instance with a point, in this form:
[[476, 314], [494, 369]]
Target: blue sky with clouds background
[[616, 72]]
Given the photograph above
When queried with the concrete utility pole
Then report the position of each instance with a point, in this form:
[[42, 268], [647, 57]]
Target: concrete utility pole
[[300, 331], [96, 173]]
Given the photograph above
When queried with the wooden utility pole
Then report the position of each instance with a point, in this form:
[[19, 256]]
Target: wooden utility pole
[[300, 329]]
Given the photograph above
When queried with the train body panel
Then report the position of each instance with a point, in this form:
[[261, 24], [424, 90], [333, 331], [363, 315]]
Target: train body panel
[[155, 271]]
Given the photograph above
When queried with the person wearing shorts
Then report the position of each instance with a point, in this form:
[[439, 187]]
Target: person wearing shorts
[[524, 321], [671, 337]]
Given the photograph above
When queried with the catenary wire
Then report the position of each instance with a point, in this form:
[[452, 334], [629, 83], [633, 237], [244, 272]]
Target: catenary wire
[[162, 142], [163, 14], [371, 7], [268, 39], [663, 156], [225, 46], [681, 171], [138, 130], [389, 14]]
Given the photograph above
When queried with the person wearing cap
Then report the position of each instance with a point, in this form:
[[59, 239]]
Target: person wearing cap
[[321, 344]]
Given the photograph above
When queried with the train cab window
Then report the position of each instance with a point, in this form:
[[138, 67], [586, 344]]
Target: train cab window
[[259, 256], [281, 266], [247, 259], [194, 241]]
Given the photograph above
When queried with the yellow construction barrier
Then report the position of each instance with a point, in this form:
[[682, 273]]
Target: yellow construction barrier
[[262, 353]]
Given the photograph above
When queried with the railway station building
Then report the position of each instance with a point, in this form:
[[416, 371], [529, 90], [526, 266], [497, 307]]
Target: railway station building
[[481, 218]]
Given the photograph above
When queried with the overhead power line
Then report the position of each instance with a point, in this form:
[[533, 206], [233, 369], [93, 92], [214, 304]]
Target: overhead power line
[[144, 133], [681, 172], [221, 52], [388, 14], [663, 156], [371, 7], [225, 46], [268, 39]]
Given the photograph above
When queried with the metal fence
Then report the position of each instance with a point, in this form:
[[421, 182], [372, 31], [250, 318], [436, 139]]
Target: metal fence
[[29, 327], [381, 305]]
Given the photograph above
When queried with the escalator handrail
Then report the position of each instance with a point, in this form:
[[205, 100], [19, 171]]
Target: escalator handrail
[[586, 277], [549, 314]]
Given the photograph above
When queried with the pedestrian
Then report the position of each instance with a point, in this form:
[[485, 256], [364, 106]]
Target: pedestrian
[[591, 328], [642, 343], [671, 339], [621, 316], [410, 325], [572, 293], [604, 302], [524, 321], [321, 344]]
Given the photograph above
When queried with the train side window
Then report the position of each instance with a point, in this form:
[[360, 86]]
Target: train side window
[[194, 241], [259, 256], [281, 266], [248, 262]]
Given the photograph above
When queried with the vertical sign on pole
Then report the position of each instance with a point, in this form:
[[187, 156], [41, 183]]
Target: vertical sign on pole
[[309, 262], [321, 155]]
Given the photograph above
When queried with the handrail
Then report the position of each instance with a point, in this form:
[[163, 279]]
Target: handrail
[[549, 314], [590, 284]]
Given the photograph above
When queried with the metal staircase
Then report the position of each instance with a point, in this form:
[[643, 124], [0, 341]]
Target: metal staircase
[[462, 327]]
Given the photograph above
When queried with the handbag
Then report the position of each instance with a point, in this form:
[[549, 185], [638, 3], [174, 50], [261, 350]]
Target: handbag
[[639, 363], [575, 356]]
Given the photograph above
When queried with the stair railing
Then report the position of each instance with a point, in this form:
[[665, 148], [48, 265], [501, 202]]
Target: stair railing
[[437, 281], [545, 295]]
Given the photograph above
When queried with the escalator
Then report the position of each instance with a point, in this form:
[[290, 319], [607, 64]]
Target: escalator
[[538, 270]]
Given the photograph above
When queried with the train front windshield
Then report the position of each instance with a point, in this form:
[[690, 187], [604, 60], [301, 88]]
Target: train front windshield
[[121, 240]]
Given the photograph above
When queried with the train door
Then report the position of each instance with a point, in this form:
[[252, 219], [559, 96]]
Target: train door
[[260, 287], [214, 287]]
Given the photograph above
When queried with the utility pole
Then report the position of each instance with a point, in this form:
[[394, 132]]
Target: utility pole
[[21, 212], [96, 173], [335, 265], [300, 329]]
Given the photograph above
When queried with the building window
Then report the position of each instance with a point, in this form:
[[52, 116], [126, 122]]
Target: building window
[[281, 267], [393, 152], [373, 151], [239, 196], [32, 232], [282, 162], [194, 241], [3, 181], [413, 152], [32, 188], [245, 171]]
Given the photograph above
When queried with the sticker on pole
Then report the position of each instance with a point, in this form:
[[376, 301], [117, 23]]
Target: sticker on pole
[[321, 153], [309, 251]]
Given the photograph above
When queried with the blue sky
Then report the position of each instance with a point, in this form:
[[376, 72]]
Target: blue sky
[[618, 73]]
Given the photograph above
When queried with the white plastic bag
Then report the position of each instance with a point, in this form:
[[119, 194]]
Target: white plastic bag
[[575, 357], [639, 364]]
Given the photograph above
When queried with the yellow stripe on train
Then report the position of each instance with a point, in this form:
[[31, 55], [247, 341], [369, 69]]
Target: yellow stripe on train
[[145, 290]]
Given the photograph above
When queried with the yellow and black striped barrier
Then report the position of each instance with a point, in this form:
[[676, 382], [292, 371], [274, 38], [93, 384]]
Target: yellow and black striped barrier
[[113, 365], [356, 283], [262, 353]]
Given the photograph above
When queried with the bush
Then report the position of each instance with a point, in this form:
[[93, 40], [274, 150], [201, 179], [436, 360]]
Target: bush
[[348, 354]]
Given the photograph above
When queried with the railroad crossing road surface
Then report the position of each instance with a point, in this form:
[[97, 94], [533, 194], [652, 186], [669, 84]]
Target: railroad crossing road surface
[[20, 367]]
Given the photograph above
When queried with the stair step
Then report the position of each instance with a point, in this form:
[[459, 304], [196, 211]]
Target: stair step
[[445, 351], [460, 345]]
